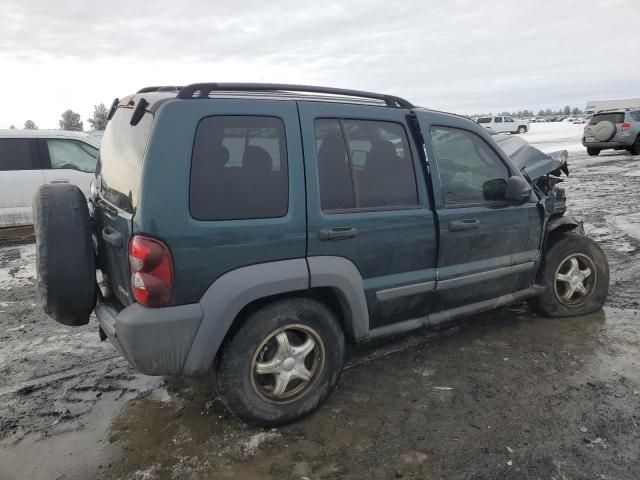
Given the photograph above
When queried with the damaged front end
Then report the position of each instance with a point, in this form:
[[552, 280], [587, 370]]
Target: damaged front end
[[545, 172]]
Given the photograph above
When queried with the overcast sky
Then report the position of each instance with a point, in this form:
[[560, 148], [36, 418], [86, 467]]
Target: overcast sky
[[456, 55]]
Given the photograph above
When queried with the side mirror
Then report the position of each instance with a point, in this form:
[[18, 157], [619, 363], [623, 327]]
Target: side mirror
[[517, 190]]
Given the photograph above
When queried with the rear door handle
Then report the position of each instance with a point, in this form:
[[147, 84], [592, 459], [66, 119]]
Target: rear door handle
[[466, 224], [338, 233], [60, 180], [112, 236]]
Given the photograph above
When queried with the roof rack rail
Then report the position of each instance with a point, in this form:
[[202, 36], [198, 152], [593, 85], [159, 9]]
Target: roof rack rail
[[167, 88], [203, 90]]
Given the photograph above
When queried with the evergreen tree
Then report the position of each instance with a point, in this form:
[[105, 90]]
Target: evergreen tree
[[70, 120], [99, 119], [30, 125]]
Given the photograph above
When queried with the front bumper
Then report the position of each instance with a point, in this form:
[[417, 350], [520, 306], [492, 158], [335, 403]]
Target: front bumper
[[155, 341]]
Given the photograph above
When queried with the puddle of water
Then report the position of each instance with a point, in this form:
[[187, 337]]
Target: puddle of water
[[388, 406]]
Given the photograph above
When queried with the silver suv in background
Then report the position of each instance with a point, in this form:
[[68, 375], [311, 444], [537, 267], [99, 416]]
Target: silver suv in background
[[614, 129]]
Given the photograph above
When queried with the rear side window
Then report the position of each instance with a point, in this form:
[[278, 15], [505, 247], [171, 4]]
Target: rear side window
[[121, 156], [636, 116], [239, 169], [611, 117], [364, 164], [484, 120], [18, 154], [72, 155]]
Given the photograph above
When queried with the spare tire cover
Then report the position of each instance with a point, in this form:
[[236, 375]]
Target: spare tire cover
[[65, 260], [603, 131]]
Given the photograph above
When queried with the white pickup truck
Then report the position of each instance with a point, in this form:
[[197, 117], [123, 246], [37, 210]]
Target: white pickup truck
[[504, 124]]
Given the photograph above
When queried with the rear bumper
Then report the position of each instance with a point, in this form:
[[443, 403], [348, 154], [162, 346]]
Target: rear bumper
[[155, 341], [605, 145]]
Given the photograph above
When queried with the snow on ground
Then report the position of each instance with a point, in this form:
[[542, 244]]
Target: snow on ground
[[554, 136]]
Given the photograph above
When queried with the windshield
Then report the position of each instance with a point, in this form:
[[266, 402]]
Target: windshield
[[617, 117], [121, 155]]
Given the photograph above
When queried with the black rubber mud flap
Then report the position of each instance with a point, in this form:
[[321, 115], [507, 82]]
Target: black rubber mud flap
[[65, 260]]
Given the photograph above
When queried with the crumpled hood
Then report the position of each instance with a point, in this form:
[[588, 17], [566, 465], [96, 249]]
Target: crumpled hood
[[530, 160]]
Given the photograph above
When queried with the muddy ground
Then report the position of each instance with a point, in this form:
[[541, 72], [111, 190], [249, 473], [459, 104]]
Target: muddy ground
[[499, 395]]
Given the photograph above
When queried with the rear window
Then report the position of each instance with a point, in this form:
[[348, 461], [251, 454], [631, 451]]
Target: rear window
[[18, 154], [239, 169], [611, 117], [121, 155], [484, 120]]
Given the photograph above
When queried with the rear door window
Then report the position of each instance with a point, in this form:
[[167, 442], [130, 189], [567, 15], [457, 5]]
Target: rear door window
[[239, 169], [18, 154], [498, 119], [610, 117], [364, 164], [72, 155]]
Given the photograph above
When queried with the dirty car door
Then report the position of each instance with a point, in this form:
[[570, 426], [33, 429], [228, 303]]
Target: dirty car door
[[368, 203], [488, 246]]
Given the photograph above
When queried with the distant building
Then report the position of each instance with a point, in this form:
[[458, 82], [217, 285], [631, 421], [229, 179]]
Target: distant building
[[594, 106]]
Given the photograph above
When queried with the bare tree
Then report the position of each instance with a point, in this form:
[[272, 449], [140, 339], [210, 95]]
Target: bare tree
[[99, 119], [12, 127], [30, 125], [70, 121]]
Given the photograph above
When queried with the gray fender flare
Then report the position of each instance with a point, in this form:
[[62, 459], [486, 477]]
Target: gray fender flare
[[229, 294], [344, 278], [565, 223]]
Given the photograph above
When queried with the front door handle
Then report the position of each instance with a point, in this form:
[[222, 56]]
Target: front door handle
[[60, 180], [466, 224], [338, 233]]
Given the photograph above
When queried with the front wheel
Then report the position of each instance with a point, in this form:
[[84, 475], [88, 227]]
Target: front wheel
[[576, 276], [522, 129], [593, 152], [282, 363]]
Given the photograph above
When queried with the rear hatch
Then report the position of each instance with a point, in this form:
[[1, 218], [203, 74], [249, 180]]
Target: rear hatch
[[616, 118], [117, 182]]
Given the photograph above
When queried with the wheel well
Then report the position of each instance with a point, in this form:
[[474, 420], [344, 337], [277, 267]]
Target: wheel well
[[326, 295]]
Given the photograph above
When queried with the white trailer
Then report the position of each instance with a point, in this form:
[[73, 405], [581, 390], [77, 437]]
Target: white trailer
[[594, 106]]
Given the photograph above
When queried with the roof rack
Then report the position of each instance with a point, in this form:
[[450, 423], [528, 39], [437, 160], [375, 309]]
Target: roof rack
[[203, 90]]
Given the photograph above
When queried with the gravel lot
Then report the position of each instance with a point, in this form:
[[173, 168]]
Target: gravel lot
[[499, 395]]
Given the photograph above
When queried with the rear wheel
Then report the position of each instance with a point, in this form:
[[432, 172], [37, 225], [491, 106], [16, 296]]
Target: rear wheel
[[282, 363], [635, 148], [593, 152], [576, 277]]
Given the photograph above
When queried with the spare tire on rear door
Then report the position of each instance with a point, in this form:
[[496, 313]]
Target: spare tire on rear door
[[65, 259], [603, 131]]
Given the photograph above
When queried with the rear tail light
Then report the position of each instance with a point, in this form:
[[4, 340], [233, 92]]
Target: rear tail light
[[151, 268], [626, 125]]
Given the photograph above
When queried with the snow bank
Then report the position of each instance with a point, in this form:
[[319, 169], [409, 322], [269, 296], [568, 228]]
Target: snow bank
[[554, 136]]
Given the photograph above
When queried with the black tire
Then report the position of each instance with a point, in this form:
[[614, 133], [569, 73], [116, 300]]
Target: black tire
[[65, 260], [242, 391], [562, 248], [635, 148], [522, 129], [593, 152]]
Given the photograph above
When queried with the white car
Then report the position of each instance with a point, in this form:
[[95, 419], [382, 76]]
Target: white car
[[30, 158], [504, 124]]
